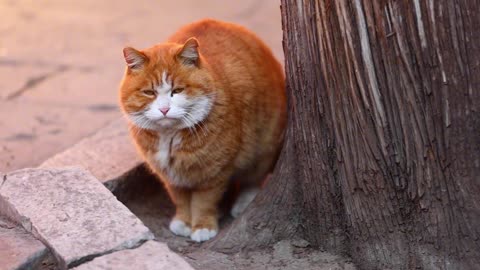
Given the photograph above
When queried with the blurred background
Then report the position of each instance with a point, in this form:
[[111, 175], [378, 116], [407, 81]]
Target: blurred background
[[61, 62]]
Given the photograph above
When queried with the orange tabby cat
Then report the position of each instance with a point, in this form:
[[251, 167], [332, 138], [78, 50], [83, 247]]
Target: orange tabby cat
[[205, 107]]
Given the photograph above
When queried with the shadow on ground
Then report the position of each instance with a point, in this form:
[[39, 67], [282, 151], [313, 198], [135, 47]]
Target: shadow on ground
[[146, 198]]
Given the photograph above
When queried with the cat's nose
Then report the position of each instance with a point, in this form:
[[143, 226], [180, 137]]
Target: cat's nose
[[165, 110]]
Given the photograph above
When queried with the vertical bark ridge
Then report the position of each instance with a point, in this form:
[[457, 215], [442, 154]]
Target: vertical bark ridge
[[382, 152]]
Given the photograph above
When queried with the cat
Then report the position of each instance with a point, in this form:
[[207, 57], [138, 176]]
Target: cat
[[205, 108]]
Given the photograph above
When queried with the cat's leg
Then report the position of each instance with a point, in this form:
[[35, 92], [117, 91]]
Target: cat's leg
[[205, 212], [181, 222]]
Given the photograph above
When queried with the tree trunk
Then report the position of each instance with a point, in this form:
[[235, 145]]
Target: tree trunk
[[382, 154]]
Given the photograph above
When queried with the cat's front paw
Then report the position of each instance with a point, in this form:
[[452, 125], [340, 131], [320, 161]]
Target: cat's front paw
[[200, 235], [179, 227]]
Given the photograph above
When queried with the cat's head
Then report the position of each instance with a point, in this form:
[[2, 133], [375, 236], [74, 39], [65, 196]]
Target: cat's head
[[166, 86]]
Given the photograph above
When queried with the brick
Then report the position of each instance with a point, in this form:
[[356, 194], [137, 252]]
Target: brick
[[71, 212], [149, 256]]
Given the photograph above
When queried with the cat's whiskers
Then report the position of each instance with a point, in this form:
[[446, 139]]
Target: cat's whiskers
[[190, 125], [141, 122], [187, 125], [200, 124]]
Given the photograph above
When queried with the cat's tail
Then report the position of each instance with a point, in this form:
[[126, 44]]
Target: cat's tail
[[243, 200]]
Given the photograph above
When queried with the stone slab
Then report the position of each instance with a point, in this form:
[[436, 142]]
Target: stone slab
[[151, 255], [71, 212], [108, 154], [19, 249]]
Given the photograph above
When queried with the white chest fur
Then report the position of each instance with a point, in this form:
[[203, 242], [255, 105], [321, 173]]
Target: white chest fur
[[163, 155], [167, 144]]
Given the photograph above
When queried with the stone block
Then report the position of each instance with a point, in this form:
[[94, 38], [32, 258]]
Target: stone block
[[71, 212], [149, 256], [108, 154], [19, 249]]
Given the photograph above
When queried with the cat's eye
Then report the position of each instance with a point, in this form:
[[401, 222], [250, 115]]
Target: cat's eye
[[177, 91], [149, 93]]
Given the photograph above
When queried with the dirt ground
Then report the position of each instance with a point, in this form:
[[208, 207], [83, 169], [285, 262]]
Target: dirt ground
[[147, 199]]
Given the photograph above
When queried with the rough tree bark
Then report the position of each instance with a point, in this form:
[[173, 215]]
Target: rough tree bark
[[382, 154]]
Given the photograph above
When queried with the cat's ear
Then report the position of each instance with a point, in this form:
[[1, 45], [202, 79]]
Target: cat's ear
[[135, 59], [188, 54]]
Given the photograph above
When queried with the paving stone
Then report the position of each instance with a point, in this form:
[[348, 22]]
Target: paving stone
[[71, 212], [108, 154], [18, 248], [151, 255]]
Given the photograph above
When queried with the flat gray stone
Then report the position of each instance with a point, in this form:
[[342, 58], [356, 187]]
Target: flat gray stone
[[108, 154], [18, 248], [151, 255], [71, 212]]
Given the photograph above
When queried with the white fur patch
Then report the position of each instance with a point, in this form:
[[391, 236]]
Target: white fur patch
[[243, 200], [166, 85], [179, 227], [166, 144], [200, 109], [201, 235], [163, 100], [163, 154], [189, 110], [184, 111], [140, 120]]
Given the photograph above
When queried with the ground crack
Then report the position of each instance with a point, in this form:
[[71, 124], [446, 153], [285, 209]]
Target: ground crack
[[4, 179], [90, 257], [34, 81]]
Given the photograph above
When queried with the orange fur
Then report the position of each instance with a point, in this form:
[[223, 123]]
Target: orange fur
[[240, 136]]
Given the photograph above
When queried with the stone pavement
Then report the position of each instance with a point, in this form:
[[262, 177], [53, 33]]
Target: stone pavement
[[149, 256], [77, 220], [71, 212], [74, 215], [108, 154], [19, 249], [61, 62]]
